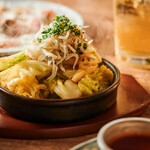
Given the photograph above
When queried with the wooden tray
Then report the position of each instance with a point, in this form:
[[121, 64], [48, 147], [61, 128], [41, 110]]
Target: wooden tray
[[132, 99]]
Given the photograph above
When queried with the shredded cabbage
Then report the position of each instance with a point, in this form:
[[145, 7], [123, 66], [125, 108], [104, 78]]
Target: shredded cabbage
[[65, 90], [7, 62], [97, 81], [23, 77], [59, 62]]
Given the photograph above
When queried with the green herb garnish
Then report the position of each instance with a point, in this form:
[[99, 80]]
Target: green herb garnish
[[44, 36], [79, 51], [74, 25], [79, 44], [39, 40], [60, 25], [82, 59], [85, 46]]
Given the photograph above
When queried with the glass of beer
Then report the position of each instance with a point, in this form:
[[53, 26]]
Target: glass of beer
[[132, 31]]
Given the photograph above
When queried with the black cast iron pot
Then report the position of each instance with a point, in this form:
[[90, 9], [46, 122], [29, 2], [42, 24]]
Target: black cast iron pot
[[61, 110]]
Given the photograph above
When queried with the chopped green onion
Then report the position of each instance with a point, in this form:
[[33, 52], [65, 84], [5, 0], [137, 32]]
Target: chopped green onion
[[44, 36], [39, 40], [85, 46], [79, 44], [44, 32], [74, 25], [79, 51], [66, 28], [60, 25], [56, 18]]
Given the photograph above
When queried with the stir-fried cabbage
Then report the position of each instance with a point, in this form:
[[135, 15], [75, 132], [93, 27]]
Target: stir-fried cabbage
[[59, 63], [97, 81], [7, 62], [67, 90], [23, 77]]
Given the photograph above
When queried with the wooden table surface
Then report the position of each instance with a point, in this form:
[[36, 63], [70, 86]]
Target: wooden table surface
[[98, 14]]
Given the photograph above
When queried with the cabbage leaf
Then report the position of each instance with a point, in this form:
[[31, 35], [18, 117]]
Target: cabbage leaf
[[9, 61], [23, 78], [101, 79], [67, 90]]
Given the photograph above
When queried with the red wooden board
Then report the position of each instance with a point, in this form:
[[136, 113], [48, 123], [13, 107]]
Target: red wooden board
[[132, 99]]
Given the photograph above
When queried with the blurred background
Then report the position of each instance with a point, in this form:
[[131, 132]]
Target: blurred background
[[98, 14]]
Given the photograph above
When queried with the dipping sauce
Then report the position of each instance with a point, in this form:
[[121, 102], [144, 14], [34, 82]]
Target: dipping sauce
[[130, 142]]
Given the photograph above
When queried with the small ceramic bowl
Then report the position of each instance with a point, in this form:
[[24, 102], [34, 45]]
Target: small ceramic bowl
[[119, 127], [61, 110]]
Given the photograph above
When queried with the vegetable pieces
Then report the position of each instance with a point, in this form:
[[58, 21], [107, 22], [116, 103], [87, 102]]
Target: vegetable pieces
[[98, 81], [7, 62], [87, 84], [23, 78], [59, 63], [65, 90]]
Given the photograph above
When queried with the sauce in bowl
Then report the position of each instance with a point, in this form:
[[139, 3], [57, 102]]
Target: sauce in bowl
[[132, 133], [130, 142]]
